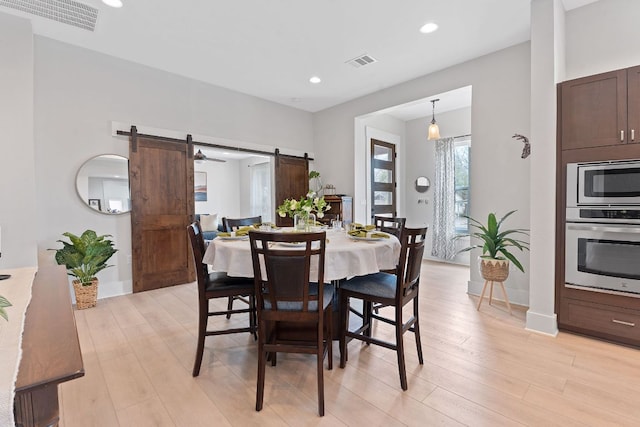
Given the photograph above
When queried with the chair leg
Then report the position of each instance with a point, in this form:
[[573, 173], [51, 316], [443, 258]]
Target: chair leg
[[367, 309], [202, 329], [344, 324], [229, 307], [484, 288], [329, 336], [320, 371], [400, 348], [416, 329], [253, 321], [261, 368]]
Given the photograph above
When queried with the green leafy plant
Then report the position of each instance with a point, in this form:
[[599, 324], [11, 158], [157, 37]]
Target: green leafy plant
[[496, 242], [314, 174], [85, 256], [3, 304]]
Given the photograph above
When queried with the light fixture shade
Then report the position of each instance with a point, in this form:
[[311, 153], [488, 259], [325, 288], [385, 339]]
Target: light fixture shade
[[434, 131]]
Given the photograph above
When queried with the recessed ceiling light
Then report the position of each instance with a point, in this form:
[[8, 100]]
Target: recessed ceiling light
[[315, 80], [113, 3], [429, 27]]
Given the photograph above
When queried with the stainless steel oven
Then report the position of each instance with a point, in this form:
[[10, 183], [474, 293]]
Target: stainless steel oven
[[613, 183], [602, 250]]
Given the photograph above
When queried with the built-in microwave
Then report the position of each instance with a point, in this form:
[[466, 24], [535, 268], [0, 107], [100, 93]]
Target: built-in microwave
[[603, 183]]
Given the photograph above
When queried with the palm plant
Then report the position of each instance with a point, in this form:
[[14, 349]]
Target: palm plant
[[496, 242]]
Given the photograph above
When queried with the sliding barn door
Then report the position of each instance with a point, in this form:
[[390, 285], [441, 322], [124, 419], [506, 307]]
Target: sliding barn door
[[161, 177], [292, 181]]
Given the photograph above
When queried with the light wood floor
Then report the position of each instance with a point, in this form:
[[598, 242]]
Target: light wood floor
[[480, 369]]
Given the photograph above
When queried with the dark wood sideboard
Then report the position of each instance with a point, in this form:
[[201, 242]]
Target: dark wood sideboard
[[50, 350], [341, 206]]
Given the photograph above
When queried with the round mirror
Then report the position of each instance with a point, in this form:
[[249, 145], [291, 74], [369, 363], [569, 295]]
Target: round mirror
[[422, 184], [103, 184]]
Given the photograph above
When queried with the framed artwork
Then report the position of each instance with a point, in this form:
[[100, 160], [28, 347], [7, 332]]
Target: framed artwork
[[200, 183], [95, 204]]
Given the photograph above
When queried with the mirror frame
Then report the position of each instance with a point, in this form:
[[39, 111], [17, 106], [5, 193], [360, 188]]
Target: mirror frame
[[95, 204], [422, 184]]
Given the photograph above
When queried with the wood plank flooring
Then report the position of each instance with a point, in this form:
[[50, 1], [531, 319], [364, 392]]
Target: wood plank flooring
[[480, 369]]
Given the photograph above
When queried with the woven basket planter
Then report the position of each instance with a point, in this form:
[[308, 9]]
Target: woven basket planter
[[86, 296], [494, 270]]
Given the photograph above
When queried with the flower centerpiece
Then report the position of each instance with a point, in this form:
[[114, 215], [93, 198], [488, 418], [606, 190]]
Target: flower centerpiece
[[304, 211]]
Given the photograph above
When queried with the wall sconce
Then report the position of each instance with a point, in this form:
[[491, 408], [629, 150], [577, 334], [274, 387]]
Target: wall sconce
[[434, 130]]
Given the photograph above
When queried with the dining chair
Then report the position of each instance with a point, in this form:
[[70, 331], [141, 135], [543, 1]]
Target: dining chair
[[216, 285], [391, 225], [395, 290], [229, 225], [294, 309], [232, 224]]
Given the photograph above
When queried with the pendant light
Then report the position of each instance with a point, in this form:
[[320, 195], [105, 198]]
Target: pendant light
[[434, 131]]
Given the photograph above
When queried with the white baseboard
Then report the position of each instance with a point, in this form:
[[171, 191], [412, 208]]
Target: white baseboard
[[542, 323]]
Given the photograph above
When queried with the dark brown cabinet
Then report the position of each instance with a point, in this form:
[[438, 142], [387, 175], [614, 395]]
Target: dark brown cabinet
[[341, 207], [600, 110]]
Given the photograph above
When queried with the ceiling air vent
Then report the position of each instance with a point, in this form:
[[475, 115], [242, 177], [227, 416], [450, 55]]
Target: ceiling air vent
[[66, 11], [361, 61]]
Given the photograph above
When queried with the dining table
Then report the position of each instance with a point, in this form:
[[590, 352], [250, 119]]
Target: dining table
[[345, 256]]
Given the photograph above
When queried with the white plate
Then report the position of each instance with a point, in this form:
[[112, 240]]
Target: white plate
[[233, 237]]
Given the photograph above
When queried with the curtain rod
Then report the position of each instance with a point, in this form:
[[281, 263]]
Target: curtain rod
[[462, 136], [207, 144]]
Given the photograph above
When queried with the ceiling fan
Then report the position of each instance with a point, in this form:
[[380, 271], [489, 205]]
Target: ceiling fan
[[199, 156]]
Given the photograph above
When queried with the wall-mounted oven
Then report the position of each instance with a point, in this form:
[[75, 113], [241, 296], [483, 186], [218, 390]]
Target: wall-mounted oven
[[615, 182], [602, 249]]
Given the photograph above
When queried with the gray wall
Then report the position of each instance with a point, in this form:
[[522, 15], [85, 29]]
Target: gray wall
[[80, 92]]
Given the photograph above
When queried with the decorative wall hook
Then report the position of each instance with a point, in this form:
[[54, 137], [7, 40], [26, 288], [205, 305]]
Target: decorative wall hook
[[527, 146]]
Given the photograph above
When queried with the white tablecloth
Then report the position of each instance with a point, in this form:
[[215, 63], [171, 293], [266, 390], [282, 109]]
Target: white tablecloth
[[344, 257], [17, 290]]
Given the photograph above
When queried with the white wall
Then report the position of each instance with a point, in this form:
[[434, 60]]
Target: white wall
[[500, 108], [421, 162], [17, 164], [602, 36], [78, 94], [223, 188]]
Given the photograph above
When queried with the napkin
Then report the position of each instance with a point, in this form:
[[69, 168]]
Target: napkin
[[224, 234], [383, 235], [243, 231], [358, 233]]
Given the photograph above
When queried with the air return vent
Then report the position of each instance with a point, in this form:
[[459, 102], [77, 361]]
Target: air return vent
[[66, 11], [361, 61]]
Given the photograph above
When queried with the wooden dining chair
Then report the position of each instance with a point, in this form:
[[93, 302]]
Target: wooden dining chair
[[216, 285], [294, 309], [395, 290], [229, 225], [391, 225], [232, 224]]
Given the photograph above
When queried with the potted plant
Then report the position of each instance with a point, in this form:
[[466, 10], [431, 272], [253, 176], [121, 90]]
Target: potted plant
[[495, 243], [84, 257]]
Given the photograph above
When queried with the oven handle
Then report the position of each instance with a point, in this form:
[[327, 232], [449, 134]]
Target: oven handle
[[603, 229]]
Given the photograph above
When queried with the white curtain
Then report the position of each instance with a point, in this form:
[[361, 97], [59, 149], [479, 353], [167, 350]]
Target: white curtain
[[444, 217]]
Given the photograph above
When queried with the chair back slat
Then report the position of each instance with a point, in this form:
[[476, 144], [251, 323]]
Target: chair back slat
[[410, 260], [198, 249], [391, 225], [232, 224], [282, 275]]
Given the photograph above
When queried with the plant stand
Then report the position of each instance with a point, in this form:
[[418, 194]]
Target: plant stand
[[504, 293], [494, 271]]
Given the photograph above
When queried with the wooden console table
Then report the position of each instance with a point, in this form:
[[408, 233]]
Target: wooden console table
[[50, 350]]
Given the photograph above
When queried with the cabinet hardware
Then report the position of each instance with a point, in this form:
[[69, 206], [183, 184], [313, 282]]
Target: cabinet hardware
[[633, 134], [622, 322], [621, 136]]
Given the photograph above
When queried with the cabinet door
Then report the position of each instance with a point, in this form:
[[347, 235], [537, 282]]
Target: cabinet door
[[594, 110], [633, 104]]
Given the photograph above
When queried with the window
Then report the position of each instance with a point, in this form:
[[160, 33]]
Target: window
[[461, 167]]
